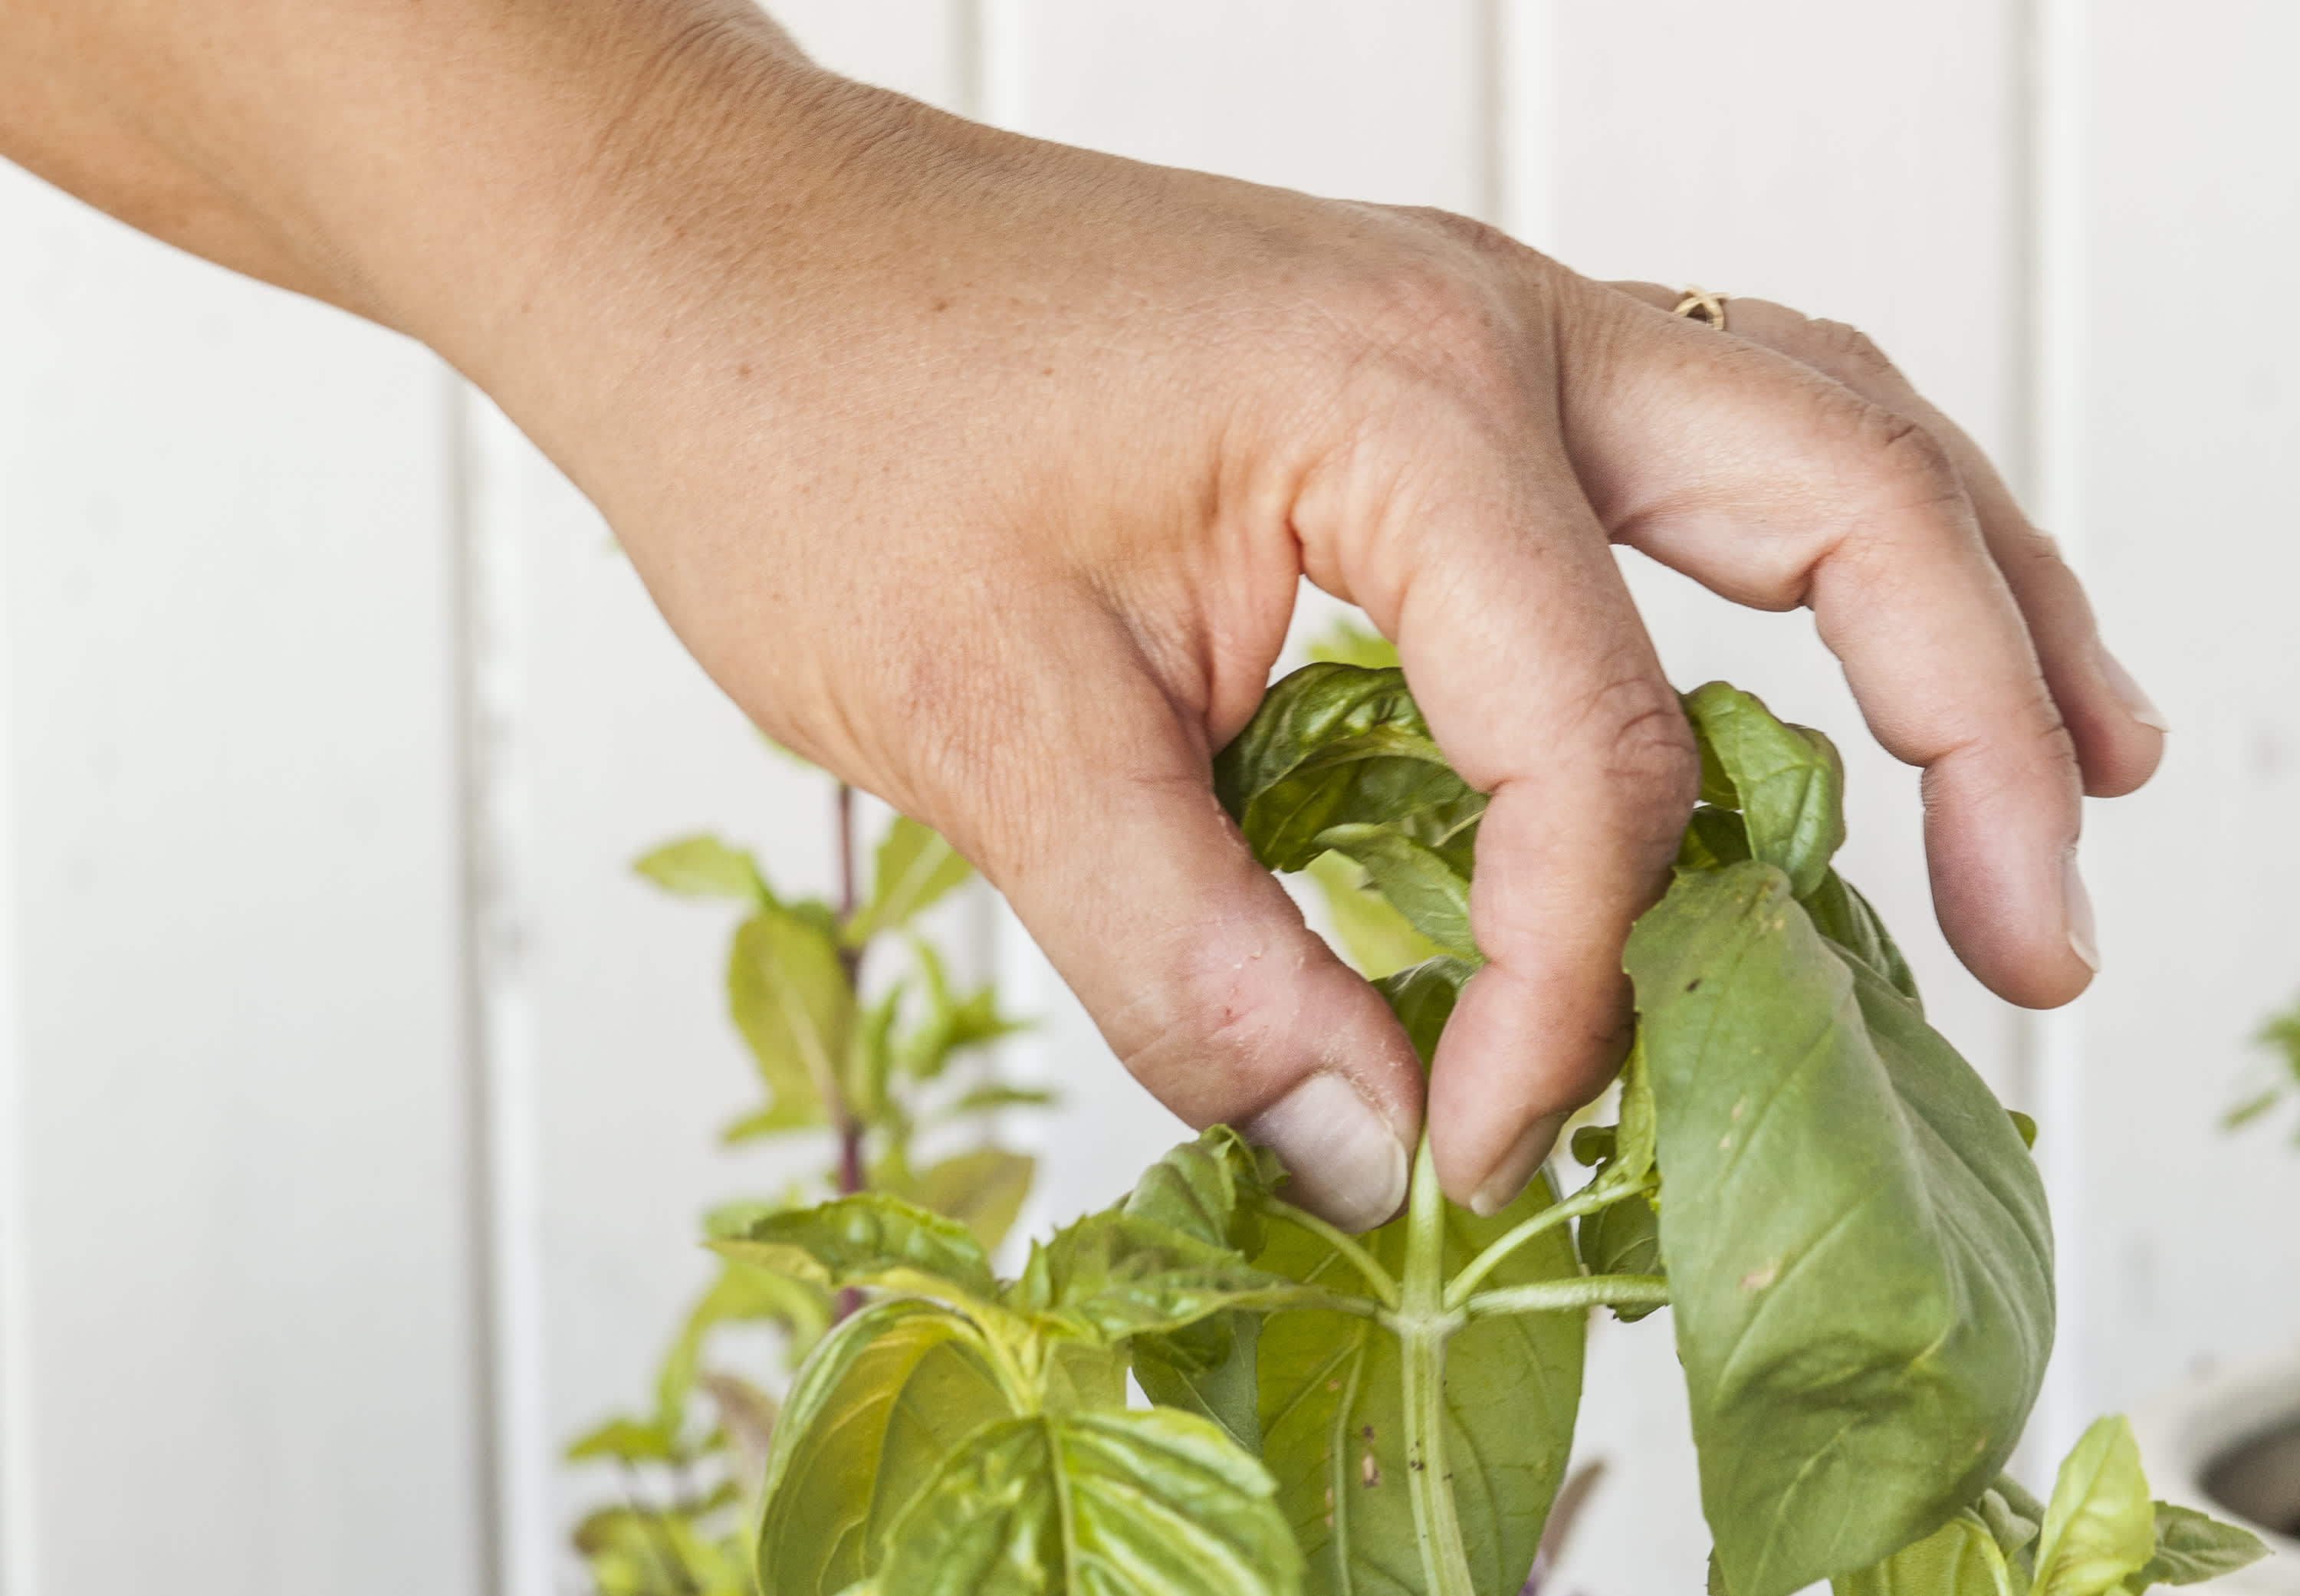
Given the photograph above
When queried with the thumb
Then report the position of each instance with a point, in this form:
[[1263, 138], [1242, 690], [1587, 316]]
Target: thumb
[[1104, 835]]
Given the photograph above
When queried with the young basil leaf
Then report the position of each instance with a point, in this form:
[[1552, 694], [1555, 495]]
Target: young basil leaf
[[2015, 1519], [1787, 780], [1333, 1416], [871, 1238], [1861, 1264], [2192, 1547], [1623, 1238], [1335, 744], [1418, 883], [1960, 1559], [793, 1003], [914, 867], [1423, 998], [1155, 1503], [1210, 1188], [886, 1397], [1375, 938], [2100, 1527], [742, 1294], [1352, 644], [1114, 1274], [703, 866]]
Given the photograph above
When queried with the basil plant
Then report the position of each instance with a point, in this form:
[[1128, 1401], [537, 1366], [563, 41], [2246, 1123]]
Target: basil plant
[[1849, 1228]]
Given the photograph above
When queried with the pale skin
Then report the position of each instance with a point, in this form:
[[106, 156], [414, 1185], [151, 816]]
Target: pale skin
[[983, 470]]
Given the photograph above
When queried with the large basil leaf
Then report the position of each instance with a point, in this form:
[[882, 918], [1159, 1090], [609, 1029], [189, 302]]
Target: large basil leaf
[[1333, 1416], [1860, 1259], [1787, 780], [883, 1399], [1155, 1503], [1338, 744]]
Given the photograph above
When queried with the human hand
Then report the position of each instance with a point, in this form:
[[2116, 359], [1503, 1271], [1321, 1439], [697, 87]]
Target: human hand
[[983, 471]]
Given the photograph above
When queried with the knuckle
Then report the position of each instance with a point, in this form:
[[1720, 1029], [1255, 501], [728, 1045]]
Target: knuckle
[[1841, 348], [1908, 466], [1648, 752]]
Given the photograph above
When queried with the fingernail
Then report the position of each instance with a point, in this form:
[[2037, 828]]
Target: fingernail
[[1517, 1167], [1343, 1159], [2127, 692], [2077, 903]]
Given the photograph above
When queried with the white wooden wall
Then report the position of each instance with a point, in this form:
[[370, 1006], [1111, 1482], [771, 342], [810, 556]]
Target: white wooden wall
[[355, 1104]]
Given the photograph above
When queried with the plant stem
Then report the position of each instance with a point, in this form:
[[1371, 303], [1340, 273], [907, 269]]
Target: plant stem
[[1556, 1296], [1485, 1263], [1384, 1286], [1421, 1328], [851, 1178]]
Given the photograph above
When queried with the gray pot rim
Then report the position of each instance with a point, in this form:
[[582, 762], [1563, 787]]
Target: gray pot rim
[[2183, 1433]]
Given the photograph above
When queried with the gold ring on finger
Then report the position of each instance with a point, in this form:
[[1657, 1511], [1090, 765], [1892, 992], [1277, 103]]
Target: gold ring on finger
[[1699, 305]]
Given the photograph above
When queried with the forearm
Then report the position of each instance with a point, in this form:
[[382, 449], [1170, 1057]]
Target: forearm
[[395, 158]]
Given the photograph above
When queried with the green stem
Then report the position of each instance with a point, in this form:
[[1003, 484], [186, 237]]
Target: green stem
[[1422, 1328], [1309, 1298], [1384, 1285], [1554, 1296], [1587, 1202]]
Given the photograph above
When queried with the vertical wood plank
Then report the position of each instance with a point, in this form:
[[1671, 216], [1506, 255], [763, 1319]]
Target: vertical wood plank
[[244, 1241], [615, 1063], [2181, 370]]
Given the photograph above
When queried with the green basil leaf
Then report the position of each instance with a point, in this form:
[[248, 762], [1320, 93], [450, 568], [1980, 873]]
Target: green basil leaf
[[2193, 1547], [630, 1441], [1375, 938], [1713, 838], [1213, 1375], [1861, 1264], [1841, 914], [871, 1238], [1960, 1559], [703, 866], [915, 867], [1787, 780], [2100, 1527], [1335, 744], [1333, 1419], [2015, 1519], [982, 1190], [795, 1006], [1622, 1239], [872, 1413], [1418, 883], [1156, 1503]]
